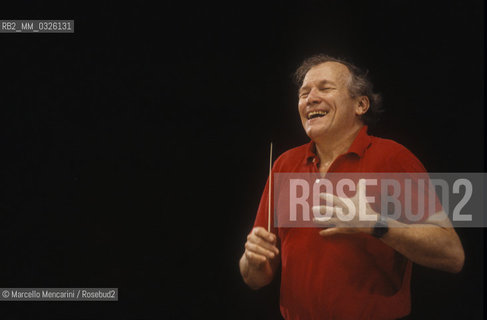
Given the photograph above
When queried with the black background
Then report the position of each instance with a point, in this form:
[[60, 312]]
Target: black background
[[134, 151]]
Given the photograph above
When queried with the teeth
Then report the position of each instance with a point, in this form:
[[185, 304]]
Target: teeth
[[314, 114]]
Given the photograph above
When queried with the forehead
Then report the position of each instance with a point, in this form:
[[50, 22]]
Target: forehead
[[330, 71]]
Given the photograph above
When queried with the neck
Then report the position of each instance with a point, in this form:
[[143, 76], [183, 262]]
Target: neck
[[329, 148]]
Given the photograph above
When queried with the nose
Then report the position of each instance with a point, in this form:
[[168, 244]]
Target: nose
[[313, 97]]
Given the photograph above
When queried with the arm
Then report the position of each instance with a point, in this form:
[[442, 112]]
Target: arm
[[260, 259], [433, 243], [430, 244]]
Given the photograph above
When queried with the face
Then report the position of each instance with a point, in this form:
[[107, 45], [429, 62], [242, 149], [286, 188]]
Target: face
[[325, 105]]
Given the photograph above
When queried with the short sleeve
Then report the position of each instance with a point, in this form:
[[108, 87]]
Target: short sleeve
[[418, 199]]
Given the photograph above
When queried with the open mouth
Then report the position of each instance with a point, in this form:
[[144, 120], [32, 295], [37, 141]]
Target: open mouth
[[316, 114]]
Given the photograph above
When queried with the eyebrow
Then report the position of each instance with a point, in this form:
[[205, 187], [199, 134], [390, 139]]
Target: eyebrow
[[322, 82]]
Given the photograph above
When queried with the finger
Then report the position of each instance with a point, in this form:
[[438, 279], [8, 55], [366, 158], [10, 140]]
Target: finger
[[332, 231], [255, 259], [327, 222], [361, 186], [254, 239], [259, 250], [361, 189], [331, 199], [261, 232], [323, 213]]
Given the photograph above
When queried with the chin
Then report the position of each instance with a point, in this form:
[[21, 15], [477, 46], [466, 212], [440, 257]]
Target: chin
[[315, 133]]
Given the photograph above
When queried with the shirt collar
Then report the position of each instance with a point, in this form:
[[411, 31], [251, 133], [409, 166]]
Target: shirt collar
[[358, 147]]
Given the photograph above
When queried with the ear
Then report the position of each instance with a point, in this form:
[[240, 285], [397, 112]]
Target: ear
[[363, 105]]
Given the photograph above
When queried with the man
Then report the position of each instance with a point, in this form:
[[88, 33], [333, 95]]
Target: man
[[344, 270]]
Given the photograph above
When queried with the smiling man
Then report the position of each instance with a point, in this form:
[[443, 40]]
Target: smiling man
[[345, 269]]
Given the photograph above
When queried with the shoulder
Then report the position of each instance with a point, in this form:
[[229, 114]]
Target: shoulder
[[388, 146], [292, 158], [296, 152], [394, 154]]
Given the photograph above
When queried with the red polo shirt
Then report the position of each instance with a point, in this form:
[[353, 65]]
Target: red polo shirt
[[353, 276]]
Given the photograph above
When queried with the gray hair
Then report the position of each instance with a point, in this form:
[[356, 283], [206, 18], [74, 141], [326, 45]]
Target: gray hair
[[359, 85]]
